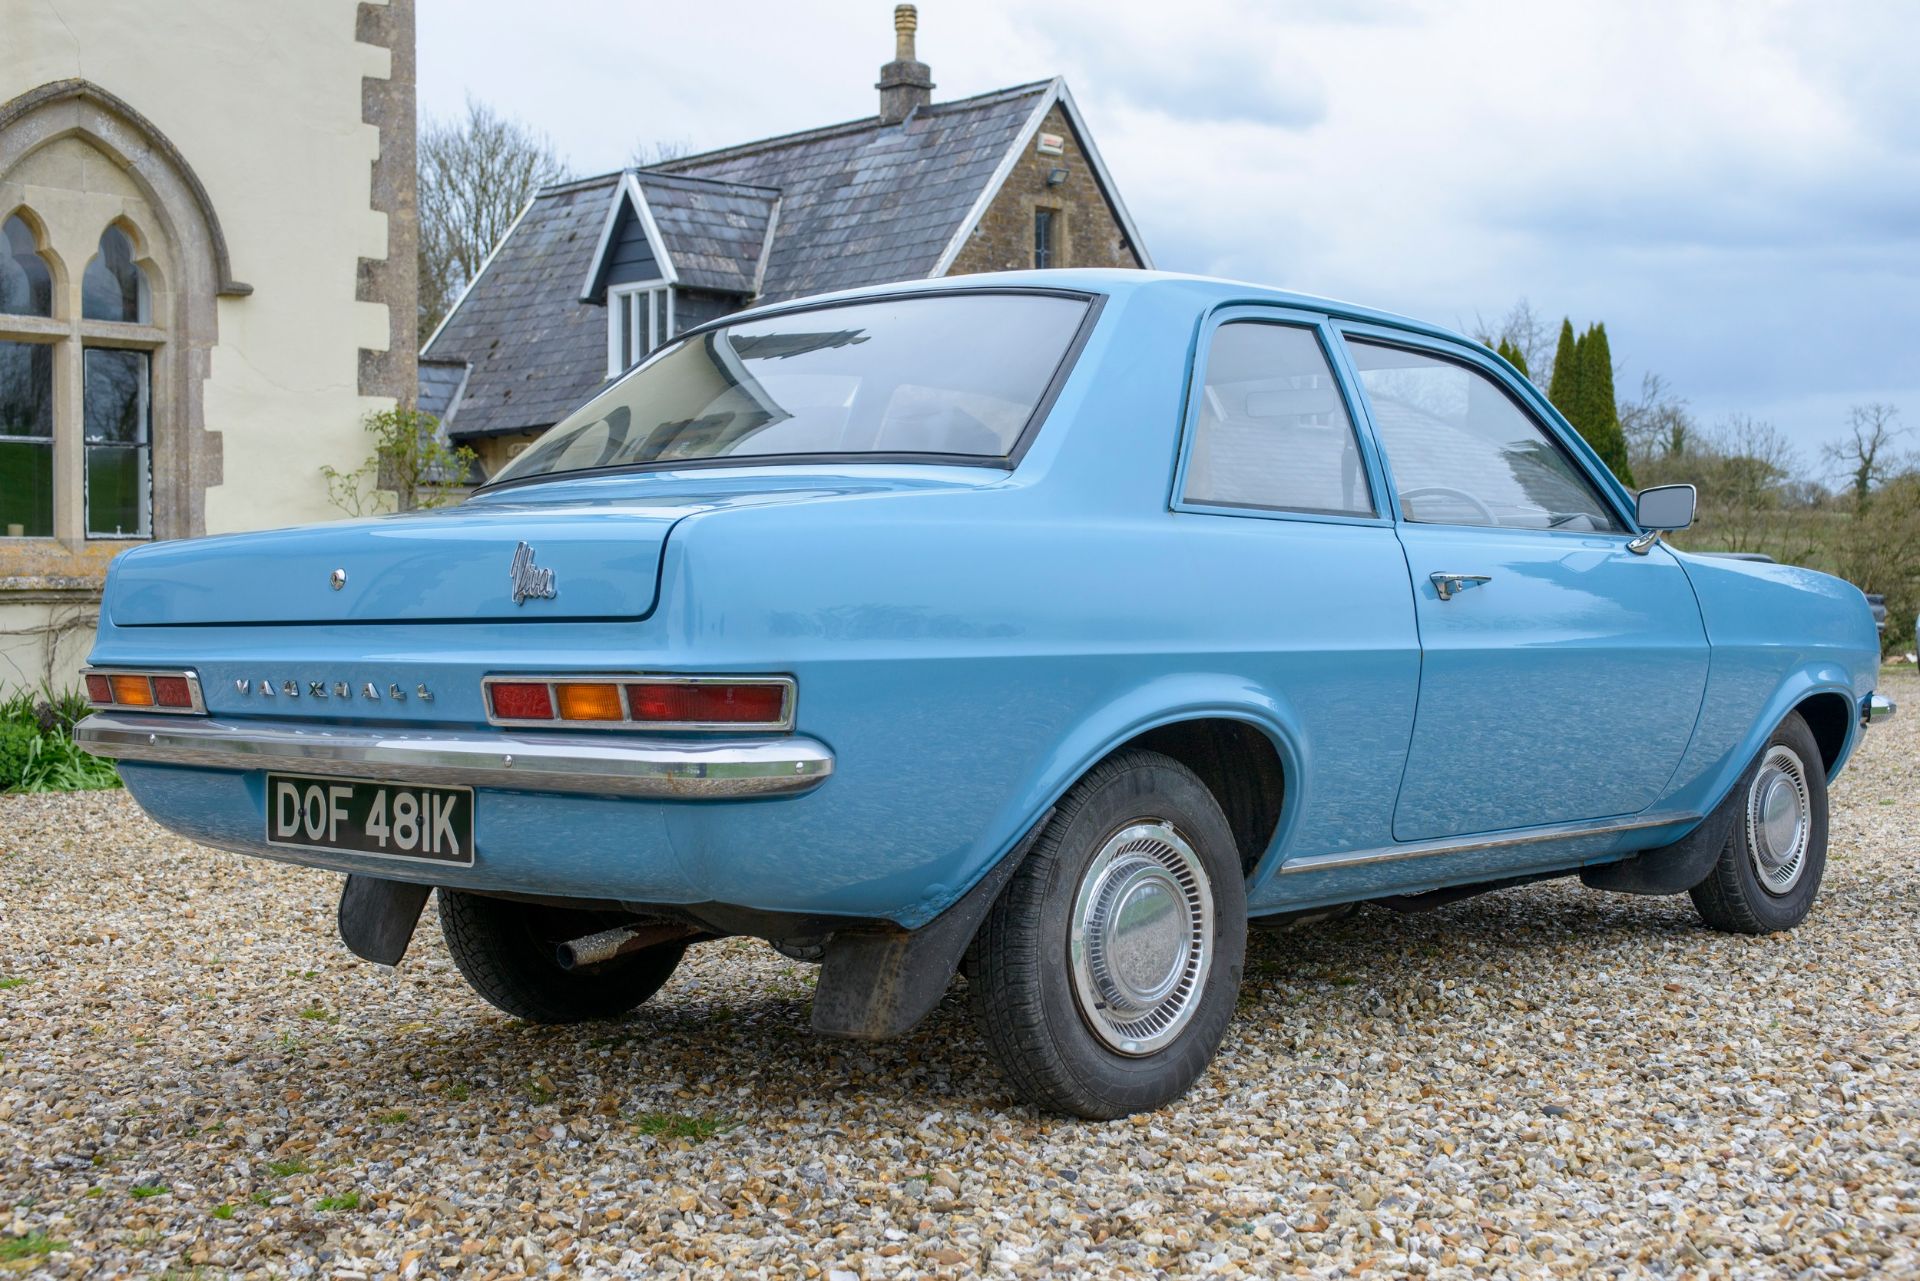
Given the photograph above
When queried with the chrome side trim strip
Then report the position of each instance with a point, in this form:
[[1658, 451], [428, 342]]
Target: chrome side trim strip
[[1499, 840], [1875, 708], [708, 769]]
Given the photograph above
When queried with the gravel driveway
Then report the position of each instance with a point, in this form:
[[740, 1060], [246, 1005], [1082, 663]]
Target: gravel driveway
[[195, 1074]]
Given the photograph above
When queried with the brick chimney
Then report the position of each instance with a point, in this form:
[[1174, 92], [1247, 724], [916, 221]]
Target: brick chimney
[[905, 83]]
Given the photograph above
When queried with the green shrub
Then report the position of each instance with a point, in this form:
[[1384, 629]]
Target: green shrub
[[37, 751]]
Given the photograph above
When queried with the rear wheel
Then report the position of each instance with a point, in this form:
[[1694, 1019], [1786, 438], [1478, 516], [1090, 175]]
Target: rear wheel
[[507, 953], [1105, 973], [1776, 850]]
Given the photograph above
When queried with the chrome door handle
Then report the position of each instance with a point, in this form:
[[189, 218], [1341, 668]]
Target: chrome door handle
[[1451, 585]]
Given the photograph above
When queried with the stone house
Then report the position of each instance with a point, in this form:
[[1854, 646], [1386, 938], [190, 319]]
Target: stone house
[[207, 280], [597, 272]]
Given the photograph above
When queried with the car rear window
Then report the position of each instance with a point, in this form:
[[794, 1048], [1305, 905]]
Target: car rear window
[[956, 376]]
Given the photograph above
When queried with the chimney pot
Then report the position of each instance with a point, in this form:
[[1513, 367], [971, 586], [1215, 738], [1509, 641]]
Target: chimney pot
[[905, 83]]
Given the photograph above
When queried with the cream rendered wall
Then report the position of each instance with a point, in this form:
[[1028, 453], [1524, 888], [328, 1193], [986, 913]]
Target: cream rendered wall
[[264, 101]]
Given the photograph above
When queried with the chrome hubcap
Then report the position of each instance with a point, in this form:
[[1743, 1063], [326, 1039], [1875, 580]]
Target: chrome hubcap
[[1779, 819], [1142, 937]]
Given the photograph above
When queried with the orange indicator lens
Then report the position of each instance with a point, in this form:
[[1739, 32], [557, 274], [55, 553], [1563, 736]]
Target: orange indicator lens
[[600, 702], [132, 691]]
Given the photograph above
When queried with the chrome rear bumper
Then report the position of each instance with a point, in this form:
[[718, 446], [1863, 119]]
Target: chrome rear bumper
[[672, 769]]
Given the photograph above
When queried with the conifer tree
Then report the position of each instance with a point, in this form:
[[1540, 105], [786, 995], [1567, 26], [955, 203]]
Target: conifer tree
[[1563, 389], [1513, 356], [1599, 417]]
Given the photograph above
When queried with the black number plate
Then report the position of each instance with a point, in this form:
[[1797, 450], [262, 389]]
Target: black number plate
[[430, 824]]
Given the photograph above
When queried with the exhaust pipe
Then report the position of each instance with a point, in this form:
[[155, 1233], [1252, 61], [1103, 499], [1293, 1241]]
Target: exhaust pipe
[[597, 949]]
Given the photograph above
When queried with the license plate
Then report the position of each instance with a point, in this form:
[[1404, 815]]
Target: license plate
[[395, 820]]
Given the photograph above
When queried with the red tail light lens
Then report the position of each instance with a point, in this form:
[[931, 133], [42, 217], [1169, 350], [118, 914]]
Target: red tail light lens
[[98, 690], [172, 691], [709, 703], [521, 701], [658, 702]]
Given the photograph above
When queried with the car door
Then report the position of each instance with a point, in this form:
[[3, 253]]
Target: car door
[[1278, 502], [1561, 671]]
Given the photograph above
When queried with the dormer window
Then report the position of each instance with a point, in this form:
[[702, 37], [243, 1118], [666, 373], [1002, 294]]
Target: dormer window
[[639, 319]]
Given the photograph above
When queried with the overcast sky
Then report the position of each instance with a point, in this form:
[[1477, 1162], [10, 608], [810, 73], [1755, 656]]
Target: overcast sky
[[1734, 188]]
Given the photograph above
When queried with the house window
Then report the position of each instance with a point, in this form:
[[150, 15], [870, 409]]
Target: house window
[[114, 287], [1043, 238], [26, 440], [26, 284], [639, 319], [119, 423], [75, 470], [26, 391]]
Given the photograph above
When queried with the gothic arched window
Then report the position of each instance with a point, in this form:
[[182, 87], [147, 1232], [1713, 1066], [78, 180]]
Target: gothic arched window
[[114, 287], [26, 282]]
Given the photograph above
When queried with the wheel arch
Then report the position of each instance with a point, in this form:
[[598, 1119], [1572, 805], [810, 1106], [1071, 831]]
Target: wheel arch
[[1153, 715]]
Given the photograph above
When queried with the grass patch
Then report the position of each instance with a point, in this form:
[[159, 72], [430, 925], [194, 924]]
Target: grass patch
[[458, 1091], [694, 1127], [345, 1201], [37, 751], [7, 985], [262, 1199], [319, 1015], [399, 1116], [34, 1245], [141, 1191], [288, 1168], [223, 1212]]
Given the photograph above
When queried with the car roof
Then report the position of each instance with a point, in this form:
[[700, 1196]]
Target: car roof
[[1118, 282]]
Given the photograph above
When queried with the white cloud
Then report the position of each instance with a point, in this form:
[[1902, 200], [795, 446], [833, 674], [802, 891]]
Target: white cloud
[[1733, 187]]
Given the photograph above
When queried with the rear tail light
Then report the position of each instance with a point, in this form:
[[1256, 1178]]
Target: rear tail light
[[650, 702], [177, 692]]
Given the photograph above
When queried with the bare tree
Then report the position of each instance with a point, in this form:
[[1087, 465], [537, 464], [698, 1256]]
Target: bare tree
[[1657, 423], [1528, 334], [476, 174], [658, 152], [1866, 456]]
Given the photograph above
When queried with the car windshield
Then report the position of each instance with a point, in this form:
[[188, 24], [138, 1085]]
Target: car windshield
[[958, 375]]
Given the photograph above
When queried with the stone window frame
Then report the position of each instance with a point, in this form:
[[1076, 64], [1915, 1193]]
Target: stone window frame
[[184, 252], [71, 336]]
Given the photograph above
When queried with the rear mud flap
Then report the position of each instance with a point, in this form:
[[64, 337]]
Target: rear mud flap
[[876, 984], [377, 917]]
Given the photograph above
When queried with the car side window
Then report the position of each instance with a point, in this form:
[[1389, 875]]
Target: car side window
[[1274, 432], [1463, 452]]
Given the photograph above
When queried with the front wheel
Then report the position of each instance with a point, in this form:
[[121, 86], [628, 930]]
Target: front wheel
[[1776, 851], [508, 953], [1105, 973]]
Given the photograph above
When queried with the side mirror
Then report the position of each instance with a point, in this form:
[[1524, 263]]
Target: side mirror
[[1665, 507]]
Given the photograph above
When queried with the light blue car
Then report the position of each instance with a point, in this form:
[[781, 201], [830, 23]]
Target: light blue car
[[1054, 625]]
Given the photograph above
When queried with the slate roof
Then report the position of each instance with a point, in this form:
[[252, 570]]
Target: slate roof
[[534, 348], [865, 202], [715, 231], [853, 204]]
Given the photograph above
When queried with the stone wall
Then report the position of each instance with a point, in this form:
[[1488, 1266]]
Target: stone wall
[[1085, 231]]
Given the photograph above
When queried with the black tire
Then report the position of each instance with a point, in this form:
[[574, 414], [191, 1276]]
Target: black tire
[[1022, 974], [1737, 897], [505, 951]]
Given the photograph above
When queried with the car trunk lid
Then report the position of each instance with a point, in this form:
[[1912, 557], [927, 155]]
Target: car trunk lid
[[537, 563]]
